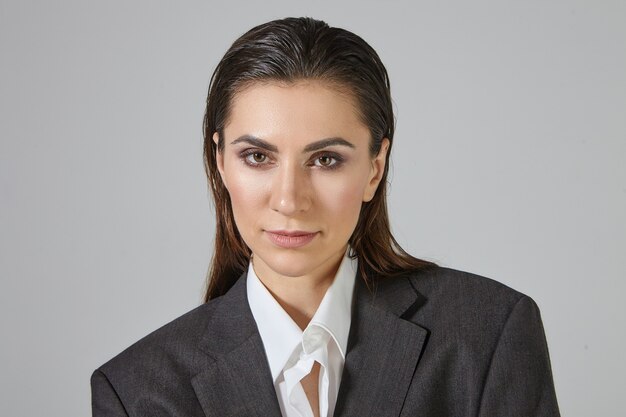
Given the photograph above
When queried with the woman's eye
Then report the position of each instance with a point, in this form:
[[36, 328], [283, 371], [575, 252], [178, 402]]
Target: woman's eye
[[258, 157], [327, 161], [255, 158]]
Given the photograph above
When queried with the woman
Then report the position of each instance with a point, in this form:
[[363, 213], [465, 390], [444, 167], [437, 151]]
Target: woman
[[312, 308]]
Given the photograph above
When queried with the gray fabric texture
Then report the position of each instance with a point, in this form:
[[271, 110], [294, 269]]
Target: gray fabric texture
[[438, 342]]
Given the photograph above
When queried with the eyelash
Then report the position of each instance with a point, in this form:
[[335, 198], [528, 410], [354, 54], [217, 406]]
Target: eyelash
[[244, 155]]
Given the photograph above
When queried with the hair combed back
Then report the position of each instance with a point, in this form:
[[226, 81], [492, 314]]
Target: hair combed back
[[290, 50]]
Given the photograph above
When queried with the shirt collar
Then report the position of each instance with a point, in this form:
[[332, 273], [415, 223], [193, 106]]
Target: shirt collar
[[281, 335]]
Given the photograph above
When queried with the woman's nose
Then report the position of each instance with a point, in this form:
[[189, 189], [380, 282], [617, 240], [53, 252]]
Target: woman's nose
[[291, 190]]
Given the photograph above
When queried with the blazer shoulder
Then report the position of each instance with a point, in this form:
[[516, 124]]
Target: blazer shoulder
[[159, 347], [486, 351], [448, 284], [452, 300]]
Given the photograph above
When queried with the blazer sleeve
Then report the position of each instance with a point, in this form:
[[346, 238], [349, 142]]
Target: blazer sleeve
[[104, 400], [519, 380]]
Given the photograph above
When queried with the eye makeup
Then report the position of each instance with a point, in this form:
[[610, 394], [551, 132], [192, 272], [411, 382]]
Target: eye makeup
[[259, 158]]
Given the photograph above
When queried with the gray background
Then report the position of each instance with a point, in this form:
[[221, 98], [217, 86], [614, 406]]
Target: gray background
[[510, 162]]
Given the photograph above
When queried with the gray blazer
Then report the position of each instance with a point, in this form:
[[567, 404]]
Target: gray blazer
[[434, 343]]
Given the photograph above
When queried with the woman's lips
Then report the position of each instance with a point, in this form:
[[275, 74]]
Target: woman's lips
[[290, 239]]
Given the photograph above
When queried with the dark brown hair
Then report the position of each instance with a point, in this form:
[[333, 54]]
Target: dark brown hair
[[288, 50]]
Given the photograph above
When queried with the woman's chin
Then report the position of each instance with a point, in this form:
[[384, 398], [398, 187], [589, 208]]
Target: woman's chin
[[289, 266], [287, 263]]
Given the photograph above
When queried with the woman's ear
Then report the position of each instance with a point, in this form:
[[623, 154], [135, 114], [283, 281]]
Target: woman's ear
[[219, 157], [377, 171]]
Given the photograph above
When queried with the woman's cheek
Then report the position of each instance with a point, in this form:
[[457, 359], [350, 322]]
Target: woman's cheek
[[246, 194], [342, 198]]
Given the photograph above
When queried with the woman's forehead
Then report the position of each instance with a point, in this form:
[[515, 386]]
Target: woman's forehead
[[305, 108]]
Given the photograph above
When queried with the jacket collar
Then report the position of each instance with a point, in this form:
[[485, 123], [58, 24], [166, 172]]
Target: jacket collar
[[383, 349], [382, 354], [239, 382]]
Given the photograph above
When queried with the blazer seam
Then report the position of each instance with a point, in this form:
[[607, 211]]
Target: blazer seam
[[493, 353], [114, 390]]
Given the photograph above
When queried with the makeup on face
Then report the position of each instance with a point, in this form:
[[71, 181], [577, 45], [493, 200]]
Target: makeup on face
[[297, 167]]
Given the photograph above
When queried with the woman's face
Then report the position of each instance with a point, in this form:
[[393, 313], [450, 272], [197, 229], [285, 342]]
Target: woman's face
[[296, 164]]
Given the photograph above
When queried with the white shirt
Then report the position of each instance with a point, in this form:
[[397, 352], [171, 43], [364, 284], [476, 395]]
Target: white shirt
[[292, 352]]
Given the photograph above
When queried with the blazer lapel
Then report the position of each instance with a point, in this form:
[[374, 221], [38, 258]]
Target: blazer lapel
[[383, 350], [239, 382]]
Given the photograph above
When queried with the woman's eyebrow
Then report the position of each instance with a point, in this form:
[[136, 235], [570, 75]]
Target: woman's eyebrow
[[321, 144], [254, 141], [317, 145]]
